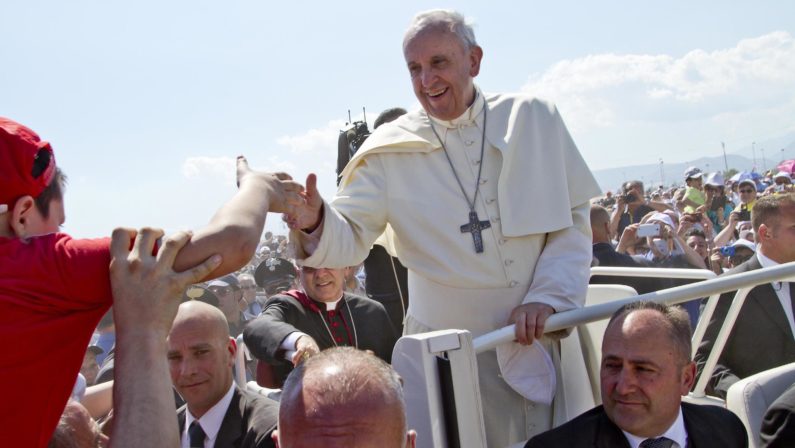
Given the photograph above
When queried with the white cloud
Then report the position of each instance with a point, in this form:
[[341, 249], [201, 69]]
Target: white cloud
[[608, 90], [314, 151], [314, 141], [209, 167]]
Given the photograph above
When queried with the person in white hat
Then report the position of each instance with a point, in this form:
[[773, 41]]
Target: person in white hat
[[694, 197], [717, 206], [782, 183]]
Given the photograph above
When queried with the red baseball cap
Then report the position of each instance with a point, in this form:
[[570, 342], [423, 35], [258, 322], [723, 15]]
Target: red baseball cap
[[27, 163]]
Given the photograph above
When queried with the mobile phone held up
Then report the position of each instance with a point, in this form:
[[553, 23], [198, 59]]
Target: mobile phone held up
[[645, 230]]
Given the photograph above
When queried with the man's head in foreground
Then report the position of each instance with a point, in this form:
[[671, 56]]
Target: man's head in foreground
[[343, 397], [77, 429], [646, 367], [200, 355], [31, 186]]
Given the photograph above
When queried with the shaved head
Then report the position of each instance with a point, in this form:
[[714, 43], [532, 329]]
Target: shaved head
[[210, 317], [599, 215], [600, 224], [200, 355], [343, 397]]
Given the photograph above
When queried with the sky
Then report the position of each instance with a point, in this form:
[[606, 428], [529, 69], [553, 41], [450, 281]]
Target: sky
[[147, 104]]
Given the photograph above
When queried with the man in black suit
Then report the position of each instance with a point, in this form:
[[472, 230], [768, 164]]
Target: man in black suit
[[605, 255], [646, 368], [320, 316], [217, 413], [762, 336]]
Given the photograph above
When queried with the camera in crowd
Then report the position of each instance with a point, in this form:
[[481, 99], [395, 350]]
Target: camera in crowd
[[745, 214], [629, 198], [645, 230], [727, 251]]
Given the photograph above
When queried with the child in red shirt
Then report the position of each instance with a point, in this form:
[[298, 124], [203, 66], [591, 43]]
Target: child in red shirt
[[54, 289]]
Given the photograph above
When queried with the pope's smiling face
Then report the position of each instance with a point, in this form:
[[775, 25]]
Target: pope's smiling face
[[442, 70], [323, 284]]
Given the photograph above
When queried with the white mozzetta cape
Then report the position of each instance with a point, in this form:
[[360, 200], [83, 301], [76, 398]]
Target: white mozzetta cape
[[535, 189]]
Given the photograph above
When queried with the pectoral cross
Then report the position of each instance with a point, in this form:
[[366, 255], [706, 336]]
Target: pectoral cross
[[474, 227]]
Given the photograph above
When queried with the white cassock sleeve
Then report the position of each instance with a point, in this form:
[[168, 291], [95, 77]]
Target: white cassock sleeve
[[561, 276], [353, 220]]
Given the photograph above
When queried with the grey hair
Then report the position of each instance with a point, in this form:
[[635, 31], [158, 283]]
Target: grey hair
[[246, 277], [445, 19]]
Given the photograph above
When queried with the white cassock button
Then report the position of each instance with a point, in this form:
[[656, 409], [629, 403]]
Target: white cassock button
[[508, 262], [513, 283], [476, 162], [489, 200], [469, 142], [483, 181], [501, 241]]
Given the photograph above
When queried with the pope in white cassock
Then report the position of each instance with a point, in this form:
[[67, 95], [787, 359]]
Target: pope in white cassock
[[485, 199]]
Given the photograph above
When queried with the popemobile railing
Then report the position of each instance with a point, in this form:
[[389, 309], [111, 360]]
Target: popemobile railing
[[439, 369], [712, 288]]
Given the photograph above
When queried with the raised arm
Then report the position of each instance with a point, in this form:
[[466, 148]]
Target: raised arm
[[235, 229], [146, 293]]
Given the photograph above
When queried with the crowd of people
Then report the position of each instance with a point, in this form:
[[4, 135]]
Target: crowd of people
[[444, 189]]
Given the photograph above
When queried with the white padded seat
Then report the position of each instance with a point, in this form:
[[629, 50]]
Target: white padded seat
[[750, 397]]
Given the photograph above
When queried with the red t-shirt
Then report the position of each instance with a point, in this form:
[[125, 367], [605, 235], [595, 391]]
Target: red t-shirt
[[53, 291]]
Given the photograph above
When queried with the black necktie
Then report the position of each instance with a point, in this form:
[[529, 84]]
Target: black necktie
[[792, 296], [196, 435], [660, 442]]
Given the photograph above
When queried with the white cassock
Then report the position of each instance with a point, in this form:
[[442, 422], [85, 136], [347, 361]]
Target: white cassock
[[534, 190]]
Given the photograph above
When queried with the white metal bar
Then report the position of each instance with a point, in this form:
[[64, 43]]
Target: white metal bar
[[674, 295], [652, 272], [240, 362], [709, 308], [720, 341]]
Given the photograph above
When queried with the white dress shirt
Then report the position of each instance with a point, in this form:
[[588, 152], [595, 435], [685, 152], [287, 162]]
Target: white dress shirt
[[676, 432], [781, 289], [210, 421]]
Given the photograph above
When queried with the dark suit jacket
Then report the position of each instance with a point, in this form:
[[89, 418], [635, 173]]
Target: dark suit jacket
[[248, 423], [706, 426], [284, 314], [760, 340], [606, 256], [778, 426]]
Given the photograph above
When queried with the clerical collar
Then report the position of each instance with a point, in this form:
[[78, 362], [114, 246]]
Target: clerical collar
[[676, 432], [212, 419], [468, 117], [330, 306]]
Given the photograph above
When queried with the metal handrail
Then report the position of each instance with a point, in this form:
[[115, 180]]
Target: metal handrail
[[678, 273], [715, 286], [653, 272]]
